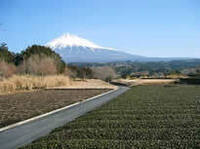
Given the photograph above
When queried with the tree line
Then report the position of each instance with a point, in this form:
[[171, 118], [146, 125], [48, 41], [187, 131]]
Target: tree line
[[151, 69], [41, 60]]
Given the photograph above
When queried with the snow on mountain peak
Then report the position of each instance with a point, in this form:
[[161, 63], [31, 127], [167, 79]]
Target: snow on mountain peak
[[67, 40]]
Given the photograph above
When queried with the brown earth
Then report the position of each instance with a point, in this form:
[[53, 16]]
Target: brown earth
[[135, 82], [21, 106]]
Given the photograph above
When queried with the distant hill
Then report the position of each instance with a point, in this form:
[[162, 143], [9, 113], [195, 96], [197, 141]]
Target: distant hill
[[75, 49], [128, 67]]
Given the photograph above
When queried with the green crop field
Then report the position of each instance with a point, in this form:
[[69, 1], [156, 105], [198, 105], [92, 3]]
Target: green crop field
[[144, 117]]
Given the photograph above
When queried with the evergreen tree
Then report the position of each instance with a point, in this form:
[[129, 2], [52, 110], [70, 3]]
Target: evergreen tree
[[6, 55]]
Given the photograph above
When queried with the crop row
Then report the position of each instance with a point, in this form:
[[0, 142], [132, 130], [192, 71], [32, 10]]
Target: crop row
[[116, 144]]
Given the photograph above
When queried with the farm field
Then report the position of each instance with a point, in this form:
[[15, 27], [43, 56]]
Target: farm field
[[21, 106], [160, 116]]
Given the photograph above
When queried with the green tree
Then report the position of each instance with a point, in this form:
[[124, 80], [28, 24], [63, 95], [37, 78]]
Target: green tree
[[5, 54]]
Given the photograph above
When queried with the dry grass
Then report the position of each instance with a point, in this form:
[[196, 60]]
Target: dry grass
[[136, 82], [28, 82], [154, 81], [177, 76], [88, 83]]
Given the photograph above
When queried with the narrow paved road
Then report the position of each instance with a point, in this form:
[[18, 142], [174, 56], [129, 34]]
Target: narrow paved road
[[26, 133]]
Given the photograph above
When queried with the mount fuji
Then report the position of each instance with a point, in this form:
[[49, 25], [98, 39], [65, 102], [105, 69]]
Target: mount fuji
[[76, 49]]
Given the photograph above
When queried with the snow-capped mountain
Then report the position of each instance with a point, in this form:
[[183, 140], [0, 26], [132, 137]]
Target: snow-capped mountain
[[76, 49], [68, 40]]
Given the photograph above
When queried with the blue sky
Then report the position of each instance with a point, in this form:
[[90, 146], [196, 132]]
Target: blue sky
[[159, 28]]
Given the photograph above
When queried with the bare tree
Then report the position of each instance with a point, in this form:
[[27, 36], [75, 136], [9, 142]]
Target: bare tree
[[105, 73], [39, 65], [7, 70]]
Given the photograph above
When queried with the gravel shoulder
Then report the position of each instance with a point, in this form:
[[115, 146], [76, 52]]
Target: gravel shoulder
[[21, 106]]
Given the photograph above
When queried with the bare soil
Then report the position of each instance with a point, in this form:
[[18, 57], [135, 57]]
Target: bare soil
[[21, 106], [136, 82]]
